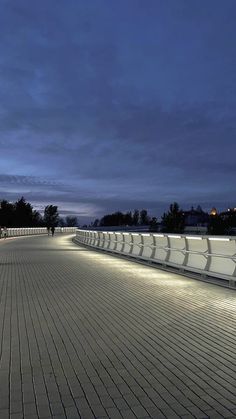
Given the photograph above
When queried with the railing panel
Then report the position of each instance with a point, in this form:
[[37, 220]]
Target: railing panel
[[96, 239], [136, 247], [112, 243], [197, 244], [161, 250], [119, 240], [106, 240], [222, 265], [147, 245], [176, 257], [196, 261], [86, 237], [177, 242], [223, 246], [127, 238], [101, 239]]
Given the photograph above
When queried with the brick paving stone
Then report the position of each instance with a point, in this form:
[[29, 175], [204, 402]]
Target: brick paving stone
[[131, 400], [212, 414], [107, 401], [124, 388], [85, 334], [16, 406], [16, 415], [30, 409], [154, 412], [4, 403], [179, 409], [57, 409], [43, 410], [4, 413], [121, 404], [98, 410], [82, 402], [86, 413], [114, 392], [146, 402], [128, 414], [139, 411], [67, 399], [113, 413], [101, 391], [72, 413], [196, 411], [93, 398]]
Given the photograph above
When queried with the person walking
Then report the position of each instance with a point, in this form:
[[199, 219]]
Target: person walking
[[5, 232], [53, 230]]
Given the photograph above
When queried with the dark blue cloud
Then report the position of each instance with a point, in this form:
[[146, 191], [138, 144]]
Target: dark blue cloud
[[117, 105]]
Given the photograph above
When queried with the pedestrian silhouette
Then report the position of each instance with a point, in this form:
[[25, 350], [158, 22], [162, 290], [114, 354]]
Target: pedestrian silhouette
[[5, 232]]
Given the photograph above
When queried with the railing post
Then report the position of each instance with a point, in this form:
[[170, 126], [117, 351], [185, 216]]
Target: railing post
[[141, 245], [153, 246], [186, 256], [168, 249], [209, 253]]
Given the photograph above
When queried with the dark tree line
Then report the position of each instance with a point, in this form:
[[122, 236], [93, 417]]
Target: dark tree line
[[222, 223], [19, 214], [22, 214], [125, 219], [173, 221]]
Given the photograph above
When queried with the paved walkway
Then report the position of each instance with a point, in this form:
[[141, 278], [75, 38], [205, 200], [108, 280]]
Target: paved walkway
[[84, 334]]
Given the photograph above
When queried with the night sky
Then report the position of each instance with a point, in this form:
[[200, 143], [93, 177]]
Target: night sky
[[110, 105]]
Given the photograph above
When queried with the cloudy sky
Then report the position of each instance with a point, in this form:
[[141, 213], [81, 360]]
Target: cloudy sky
[[112, 105]]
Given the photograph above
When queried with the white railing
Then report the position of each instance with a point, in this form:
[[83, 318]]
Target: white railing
[[29, 231], [206, 255]]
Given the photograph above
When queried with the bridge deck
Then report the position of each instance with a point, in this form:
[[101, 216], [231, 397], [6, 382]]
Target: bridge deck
[[84, 334]]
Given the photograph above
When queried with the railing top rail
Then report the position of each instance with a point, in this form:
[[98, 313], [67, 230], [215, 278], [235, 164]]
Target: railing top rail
[[171, 235]]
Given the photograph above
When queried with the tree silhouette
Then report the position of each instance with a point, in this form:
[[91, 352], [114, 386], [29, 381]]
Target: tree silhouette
[[95, 223], [173, 221], [19, 214], [71, 221], [144, 219], [153, 224], [217, 225], [135, 217], [128, 219], [51, 216], [114, 219], [23, 213]]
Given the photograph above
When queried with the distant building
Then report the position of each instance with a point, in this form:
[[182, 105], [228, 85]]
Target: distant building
[[196, 217]]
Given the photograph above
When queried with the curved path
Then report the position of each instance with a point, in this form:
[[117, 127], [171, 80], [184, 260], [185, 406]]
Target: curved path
[[85, 334]]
